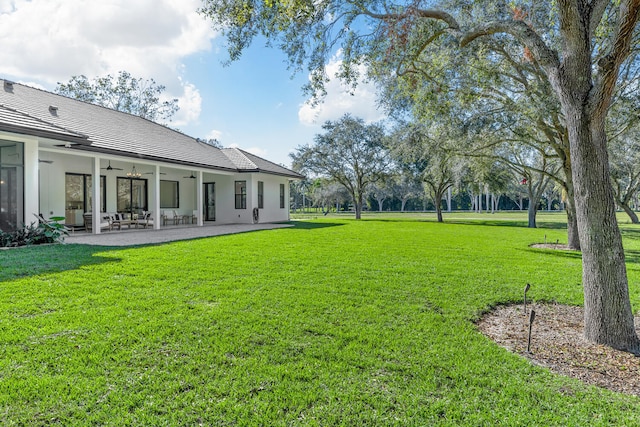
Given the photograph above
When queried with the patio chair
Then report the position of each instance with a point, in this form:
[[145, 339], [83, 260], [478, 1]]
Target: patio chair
[[105, 223], [145, 220], [176, 218]]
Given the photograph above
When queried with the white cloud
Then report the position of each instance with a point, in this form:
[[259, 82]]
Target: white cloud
[[339, 100], [190, 104], [48, 41], [214, 134]]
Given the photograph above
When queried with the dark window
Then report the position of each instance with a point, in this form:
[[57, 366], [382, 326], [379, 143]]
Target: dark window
[[260, 194], [281, 196], [241, 194], [169, 194]]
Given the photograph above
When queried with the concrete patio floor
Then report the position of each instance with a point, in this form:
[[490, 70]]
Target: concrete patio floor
[[169, 234]]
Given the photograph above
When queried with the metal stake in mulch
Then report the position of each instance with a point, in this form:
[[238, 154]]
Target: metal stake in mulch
[[531, 318], [526, 289]]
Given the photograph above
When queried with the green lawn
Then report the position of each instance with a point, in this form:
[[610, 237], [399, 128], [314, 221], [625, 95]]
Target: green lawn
[[331, 322]]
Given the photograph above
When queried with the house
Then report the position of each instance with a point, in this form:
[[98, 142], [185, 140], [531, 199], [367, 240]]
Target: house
[[63, 157]]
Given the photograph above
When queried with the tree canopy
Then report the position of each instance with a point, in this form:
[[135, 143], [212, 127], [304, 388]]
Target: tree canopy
[[123, 93], [350, 153]]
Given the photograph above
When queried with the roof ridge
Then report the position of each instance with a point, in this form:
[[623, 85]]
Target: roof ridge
[[244, 155], [265, 160]]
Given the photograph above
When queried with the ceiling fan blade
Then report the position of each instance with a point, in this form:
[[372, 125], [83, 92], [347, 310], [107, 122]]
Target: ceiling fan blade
[[111, 168]]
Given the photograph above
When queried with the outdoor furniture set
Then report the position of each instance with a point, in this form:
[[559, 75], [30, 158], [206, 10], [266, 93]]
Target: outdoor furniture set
[[111, 221], [175, 218]]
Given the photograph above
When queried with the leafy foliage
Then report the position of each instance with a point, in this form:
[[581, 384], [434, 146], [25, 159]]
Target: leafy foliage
[[123, 93], [51, 231], [350, 153]]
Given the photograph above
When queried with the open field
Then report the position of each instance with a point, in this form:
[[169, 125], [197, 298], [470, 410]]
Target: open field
[[330, 322]]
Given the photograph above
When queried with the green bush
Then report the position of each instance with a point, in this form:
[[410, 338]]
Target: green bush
[[51, 231]]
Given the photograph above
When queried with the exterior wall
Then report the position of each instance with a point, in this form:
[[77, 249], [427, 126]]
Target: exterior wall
[[271, 211]]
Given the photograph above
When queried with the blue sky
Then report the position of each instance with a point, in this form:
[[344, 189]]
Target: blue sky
[[253, 103]]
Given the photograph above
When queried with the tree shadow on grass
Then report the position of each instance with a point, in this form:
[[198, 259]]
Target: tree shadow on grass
[[507, 223], [631, 234], [30, 261], [477, 222], [556, 252], [311, 225]]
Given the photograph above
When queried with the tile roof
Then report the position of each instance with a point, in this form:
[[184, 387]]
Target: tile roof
[[248, 162], [15, 121], [30, 110]]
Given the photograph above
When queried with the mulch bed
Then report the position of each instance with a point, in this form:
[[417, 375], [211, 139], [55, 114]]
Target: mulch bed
[[558, 344]]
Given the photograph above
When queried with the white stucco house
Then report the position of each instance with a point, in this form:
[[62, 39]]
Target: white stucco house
[[63, 157]]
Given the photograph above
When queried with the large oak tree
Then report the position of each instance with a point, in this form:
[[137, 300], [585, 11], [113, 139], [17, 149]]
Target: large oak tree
[[580, 50], [350, 153]]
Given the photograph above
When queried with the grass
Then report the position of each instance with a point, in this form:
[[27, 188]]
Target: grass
[[331, 322]]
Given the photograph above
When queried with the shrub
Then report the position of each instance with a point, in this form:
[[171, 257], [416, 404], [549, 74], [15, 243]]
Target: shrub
[[51, 231]]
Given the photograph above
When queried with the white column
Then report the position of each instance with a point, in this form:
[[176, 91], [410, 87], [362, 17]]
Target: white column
[[31, 185], [200, 199], [156, 198], [95, 190]]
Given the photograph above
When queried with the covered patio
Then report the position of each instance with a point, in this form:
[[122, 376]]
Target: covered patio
[[133, 237]]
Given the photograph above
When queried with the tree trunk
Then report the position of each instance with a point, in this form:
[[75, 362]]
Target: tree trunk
[[358, 210], [404, 202], [357, 202], [487, 199], [573, 240], [629, 211], [438, 203], [531, 213], [608, 318]]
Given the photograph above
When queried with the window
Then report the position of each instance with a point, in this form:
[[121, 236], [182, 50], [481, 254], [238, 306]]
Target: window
[[260, 194], [169, 194], [132, 195], [241, 194], [79, 192], [281, 196]]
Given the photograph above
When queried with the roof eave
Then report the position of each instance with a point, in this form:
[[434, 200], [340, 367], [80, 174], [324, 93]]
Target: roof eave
[[153, 158], [293, 176], [78, 139]]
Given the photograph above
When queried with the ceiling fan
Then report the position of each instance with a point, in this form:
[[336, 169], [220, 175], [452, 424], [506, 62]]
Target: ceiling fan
[[192, 176], [111, 168]]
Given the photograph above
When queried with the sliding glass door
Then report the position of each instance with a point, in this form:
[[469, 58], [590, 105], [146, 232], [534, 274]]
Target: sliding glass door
[[79, 196], [132, 195], [11, 185]]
